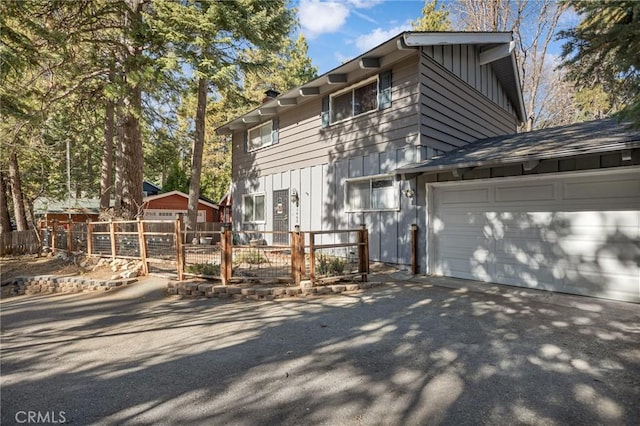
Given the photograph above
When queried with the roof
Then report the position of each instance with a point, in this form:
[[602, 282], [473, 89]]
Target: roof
[[202, 199], [43, 205], [497, 49], [590, 137]]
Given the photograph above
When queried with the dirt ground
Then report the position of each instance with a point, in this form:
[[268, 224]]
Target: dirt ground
[[31, 265]]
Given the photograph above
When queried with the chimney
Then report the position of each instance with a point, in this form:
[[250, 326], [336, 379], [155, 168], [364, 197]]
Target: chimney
[[270, 94]]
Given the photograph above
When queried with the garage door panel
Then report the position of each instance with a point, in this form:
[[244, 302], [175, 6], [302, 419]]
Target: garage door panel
[[554, 234]]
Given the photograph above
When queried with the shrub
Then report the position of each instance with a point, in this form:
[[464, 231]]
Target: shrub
[[252, 257], [330, 265], [204, 269]]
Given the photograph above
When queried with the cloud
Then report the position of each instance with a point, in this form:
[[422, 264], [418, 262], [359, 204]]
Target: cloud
[[378, 36], [364, 4], [319, 17]]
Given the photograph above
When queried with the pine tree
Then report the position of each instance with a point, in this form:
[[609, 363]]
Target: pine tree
[[604, 50], [434, 18]]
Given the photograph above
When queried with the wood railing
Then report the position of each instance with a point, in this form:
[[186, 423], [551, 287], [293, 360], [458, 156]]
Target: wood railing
[[225, 254]]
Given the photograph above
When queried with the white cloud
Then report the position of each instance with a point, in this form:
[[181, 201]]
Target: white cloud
[[319, 17], [364, 4], [378, 36]]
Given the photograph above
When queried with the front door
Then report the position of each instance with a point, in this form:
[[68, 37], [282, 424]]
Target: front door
[[281, 216]]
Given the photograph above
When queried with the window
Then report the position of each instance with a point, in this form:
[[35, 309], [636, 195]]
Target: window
[[374, 193], [355, 101], [265, 134], [253, 208], [369, 95]]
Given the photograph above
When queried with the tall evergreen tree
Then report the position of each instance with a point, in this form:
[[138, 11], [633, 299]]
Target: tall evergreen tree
[[207, 35], [604, 50]]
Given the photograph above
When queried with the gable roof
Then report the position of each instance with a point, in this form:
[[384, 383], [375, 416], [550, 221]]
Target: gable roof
[[590, 137], [202, 199], [497, 49]]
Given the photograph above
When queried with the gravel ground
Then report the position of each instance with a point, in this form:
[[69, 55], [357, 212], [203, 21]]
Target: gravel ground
[[405, 353]]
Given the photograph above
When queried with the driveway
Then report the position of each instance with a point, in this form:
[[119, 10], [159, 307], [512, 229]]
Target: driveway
[[407, 352]]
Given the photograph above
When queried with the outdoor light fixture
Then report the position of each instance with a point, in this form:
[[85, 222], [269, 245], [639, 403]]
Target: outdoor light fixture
[[409, 193], [294, 197]]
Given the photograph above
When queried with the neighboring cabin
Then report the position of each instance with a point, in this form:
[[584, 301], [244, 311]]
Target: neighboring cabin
[[382, 140], [168, 205]]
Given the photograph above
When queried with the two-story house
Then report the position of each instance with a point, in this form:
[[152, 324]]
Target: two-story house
[[422, 130]]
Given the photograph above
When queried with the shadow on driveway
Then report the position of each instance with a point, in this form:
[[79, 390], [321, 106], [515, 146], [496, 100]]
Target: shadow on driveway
[[404, 353]]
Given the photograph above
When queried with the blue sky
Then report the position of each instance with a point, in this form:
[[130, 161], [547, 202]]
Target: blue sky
[[339, 30]]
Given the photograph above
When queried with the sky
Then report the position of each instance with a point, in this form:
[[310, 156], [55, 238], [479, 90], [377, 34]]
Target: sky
[[339, 30]]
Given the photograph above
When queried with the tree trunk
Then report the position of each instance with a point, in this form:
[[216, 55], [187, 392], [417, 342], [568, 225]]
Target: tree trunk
[[131, 204], [117, 207], [196, 156], [131, 143], [106, 174], [16, 193], [5, 219]]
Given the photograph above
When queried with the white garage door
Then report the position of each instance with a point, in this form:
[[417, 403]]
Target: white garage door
[[577, 234]]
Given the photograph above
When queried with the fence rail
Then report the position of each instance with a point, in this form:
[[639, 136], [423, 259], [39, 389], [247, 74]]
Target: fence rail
[[212, 252]]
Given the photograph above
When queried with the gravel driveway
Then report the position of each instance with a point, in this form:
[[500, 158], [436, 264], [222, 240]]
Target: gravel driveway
[[407, 352]]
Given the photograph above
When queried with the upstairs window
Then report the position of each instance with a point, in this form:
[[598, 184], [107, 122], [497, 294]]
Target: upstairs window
[[355, 101], [372, 194], [262, 135], [368, 95]]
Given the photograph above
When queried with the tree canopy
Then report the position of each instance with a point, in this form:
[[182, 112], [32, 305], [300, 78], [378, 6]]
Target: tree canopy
[[434, 18], [603, 51]]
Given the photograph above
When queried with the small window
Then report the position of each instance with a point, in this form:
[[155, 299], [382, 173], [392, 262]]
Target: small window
[[355, 101], [253, 208], [265, 134], [375, 193]]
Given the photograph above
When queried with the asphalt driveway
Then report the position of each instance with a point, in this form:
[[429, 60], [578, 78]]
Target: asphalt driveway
[[403, 353]]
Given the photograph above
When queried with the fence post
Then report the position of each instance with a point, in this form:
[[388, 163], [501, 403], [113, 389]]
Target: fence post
[[363, 252], [179, 251], [89, 238], [226, 267], [312, 257], [112, 238], [142, 243], [295, 255], [54, 235], [414, 249], [69, 237]]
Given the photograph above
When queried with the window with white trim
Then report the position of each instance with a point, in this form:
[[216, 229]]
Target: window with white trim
[[261, 135], [355, 100], [371, 194], [253, 208], [368, 95]]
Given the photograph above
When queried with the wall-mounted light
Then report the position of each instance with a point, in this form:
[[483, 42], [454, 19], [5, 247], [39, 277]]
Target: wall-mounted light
[[294, 197], [409, 193]]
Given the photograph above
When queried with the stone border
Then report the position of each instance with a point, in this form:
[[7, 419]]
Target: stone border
[[52, 284], [208, 290]]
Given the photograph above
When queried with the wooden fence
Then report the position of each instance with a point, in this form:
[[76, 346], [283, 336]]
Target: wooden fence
[[19, 242], [223, 254]]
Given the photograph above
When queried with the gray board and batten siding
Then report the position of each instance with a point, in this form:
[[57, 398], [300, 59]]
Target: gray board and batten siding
[[438, 103]]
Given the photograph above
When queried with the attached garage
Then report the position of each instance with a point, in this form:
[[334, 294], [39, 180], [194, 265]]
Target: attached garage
[[576, 233], [556, 209]]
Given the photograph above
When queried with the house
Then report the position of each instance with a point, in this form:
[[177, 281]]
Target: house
[[149, 189], [225, 208], [422, 130], [76, 209], [166, 206]]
